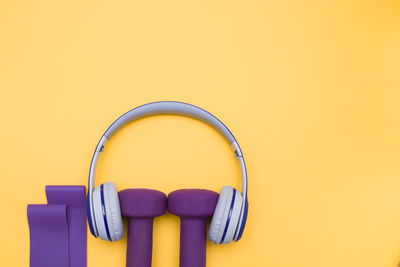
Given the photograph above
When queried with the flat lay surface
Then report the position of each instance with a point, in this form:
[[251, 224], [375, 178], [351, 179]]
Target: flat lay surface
[[310, 89]]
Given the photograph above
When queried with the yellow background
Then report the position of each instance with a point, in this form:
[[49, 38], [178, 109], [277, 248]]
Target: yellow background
[[309, 88]]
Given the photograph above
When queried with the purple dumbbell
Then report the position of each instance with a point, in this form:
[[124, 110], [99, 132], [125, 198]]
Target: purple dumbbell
[[140, 206], [194, 207]]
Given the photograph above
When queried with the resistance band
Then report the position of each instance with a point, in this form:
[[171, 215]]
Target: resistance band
[[58, 229]]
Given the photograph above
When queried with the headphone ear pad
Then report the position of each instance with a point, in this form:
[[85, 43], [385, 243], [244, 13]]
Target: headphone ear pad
[[233, 217], [98, 213], [113, 212], [226, 215], [108, 217]]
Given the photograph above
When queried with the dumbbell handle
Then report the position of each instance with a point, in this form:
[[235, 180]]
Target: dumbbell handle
[[140, 242], [193, 242]]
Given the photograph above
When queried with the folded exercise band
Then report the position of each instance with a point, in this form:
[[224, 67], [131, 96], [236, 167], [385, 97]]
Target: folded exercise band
[[58, 229], [49, 239], [74, 197]]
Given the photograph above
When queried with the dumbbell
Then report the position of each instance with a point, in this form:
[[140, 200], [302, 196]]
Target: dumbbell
[[141, 206], [194, 207]]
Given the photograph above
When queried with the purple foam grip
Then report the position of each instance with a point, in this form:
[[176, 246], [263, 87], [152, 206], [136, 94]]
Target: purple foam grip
[[74, 197], [194, 207], [48, 229], [140, 206]]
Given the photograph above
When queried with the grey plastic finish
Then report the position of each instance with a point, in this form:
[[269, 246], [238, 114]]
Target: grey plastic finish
[[172, 108]]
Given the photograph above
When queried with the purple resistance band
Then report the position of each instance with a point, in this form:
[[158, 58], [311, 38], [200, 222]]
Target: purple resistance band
[[58, 229], [74, 198], [48, 235]]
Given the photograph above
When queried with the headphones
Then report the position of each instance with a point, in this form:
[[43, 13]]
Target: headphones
[[103, 208]]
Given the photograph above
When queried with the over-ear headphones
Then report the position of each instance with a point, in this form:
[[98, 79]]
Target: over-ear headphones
[[103, 207]]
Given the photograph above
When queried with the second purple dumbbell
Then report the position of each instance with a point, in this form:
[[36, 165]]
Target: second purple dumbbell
[[194, 207]]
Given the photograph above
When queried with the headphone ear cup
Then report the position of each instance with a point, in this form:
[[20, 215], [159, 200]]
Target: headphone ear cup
[[226, 216], [107, 212], [113, 212]]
